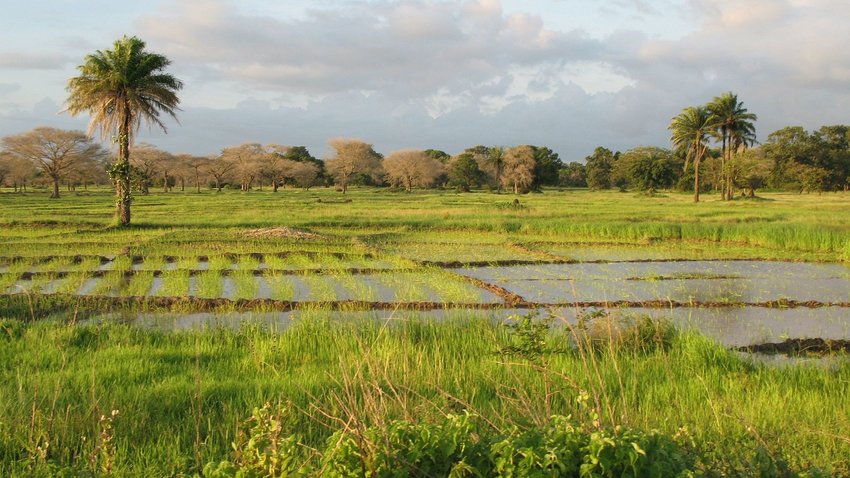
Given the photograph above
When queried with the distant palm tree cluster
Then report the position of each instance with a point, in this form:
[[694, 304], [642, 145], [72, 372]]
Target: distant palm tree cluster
[[725, 119]]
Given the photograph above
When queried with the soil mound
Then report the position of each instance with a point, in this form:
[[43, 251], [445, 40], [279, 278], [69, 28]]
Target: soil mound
[[282, 231]]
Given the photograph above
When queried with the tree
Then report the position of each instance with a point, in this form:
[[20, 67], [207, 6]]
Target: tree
[[147, 163], [5, 167], [441, 156], [690, 130], [220, 170], [518, 168], [598, 168], [195, 166], [274, 166], [246, 160], [573, 175], [648, 168], [734, 126], [304, 174], [785, 148], [547, 166], [120, 88], [351, 157], [832, 153], [54, 152], [300, 154], [749, 170], [464, 172], [21, 172], [411, 168]]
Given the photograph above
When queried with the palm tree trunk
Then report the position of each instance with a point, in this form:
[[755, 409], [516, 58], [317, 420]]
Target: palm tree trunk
[[122, 170], [696, 180]]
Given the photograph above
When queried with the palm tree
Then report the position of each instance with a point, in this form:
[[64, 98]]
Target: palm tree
[[119, 88], [735, 129], [690, 130]]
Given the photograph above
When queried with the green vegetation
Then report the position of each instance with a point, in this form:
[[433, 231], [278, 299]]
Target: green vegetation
[[338, 386], [178, 398]]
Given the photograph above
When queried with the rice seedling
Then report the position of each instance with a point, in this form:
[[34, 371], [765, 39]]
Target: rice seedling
[[152, 263], [89, 263], [72, 283], [218, 263], [244, 284], [187, 263], [321, 287], [108, 284], [174, 284], [122, 263], [139, 285], [280, 286], [208, 284], [275, 261], [248, 263]]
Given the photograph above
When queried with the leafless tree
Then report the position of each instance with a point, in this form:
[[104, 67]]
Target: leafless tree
[[351, 157], [274, 165], [220, 170], [518, 168], [53, 151], [411, 168], [196, 167], [21, 172], [246, 159], [149, 162]]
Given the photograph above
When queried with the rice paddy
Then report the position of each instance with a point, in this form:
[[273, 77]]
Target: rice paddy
[[200, 312]]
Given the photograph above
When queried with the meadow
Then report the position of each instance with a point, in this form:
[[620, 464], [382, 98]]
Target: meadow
[[379, 332]]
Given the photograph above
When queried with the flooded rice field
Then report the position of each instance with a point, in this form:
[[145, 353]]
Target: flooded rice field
[[737, 302], [677, 281], [731, 326]]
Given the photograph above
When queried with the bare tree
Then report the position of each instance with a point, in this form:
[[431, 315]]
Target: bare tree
[[21, 172], [246, 159], [53, 151], [5, 167], [411, 168], [274, 165], [148, 162], [220, 170], [351, 157], [518, 168], [196, 167]]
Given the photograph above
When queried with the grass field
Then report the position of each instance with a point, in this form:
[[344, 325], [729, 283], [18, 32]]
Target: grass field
[[341, 381]]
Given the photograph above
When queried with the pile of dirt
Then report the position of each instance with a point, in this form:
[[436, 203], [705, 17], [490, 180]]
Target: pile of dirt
[[813, 346], [282, 231]]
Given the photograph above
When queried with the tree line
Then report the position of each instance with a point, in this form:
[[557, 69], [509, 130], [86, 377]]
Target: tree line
[[791, 159], [55, 157]]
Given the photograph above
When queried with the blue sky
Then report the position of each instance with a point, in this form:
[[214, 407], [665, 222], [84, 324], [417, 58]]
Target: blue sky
[[413, 73]]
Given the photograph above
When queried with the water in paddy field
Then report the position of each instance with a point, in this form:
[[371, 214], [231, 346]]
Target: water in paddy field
[[731, 326], [679, 281], [682, 282]]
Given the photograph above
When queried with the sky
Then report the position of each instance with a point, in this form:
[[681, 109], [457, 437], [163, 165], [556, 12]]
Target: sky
[[568, 74]]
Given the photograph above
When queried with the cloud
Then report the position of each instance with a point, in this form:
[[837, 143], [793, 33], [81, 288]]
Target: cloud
[[409, 50], [32, 60], [450, 74]]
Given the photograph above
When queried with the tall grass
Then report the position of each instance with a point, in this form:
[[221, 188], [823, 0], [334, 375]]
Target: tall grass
[[374, 372]]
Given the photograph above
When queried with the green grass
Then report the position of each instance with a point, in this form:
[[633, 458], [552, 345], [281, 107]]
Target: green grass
[[164, 385]]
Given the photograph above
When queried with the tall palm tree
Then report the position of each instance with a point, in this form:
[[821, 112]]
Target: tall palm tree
[[735, 129], [691, 130], [120, 88]]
